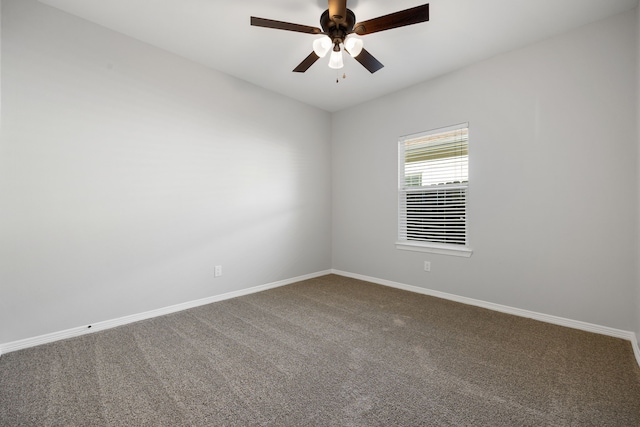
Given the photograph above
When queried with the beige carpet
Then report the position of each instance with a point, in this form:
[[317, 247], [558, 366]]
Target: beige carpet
[[330, 351]]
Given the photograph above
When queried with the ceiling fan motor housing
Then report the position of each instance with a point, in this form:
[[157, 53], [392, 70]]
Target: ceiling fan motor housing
[[337, 31]]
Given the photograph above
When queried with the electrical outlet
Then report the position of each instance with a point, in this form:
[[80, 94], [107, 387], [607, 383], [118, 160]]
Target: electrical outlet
[[218, 271], [427, 266]]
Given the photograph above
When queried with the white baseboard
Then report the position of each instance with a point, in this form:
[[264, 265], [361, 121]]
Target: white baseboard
[[107, 324], [83, 330], [575, 324]]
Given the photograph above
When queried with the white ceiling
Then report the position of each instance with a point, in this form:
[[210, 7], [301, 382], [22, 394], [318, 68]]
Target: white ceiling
[[217, 33]]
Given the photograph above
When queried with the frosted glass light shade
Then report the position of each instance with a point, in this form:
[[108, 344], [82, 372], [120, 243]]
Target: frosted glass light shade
[[322, 46], [335, 60], [353, 45]]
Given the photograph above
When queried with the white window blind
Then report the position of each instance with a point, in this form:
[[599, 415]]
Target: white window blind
[[433, 182]]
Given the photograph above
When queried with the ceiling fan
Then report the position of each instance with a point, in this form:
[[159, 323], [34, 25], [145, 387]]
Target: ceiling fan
[[339, 30]]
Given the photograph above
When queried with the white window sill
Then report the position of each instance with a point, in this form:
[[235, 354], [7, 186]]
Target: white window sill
[[435, 248]]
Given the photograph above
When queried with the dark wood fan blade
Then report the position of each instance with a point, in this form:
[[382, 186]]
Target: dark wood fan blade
[[338, 11], [368, 61], [308, 62], [415, 15], [279, 25]]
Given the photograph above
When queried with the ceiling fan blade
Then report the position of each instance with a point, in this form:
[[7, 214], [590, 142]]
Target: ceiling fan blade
[[338, 11], [368, 61], [308, 62], [415, 15], [279, 25]]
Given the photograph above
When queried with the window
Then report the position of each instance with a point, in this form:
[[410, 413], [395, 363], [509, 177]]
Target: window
[[432, 191]]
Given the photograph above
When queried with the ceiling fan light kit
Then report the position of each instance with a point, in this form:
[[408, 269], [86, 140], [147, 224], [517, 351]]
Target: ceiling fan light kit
[[353, 45], [339, 28], [335, 60], [322, 46]]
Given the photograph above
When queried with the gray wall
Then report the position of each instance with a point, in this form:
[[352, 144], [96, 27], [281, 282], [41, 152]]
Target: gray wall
[[637, 329], [127, 173], [553, 183]]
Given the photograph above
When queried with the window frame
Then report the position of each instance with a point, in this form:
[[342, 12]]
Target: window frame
[[460, 250]]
